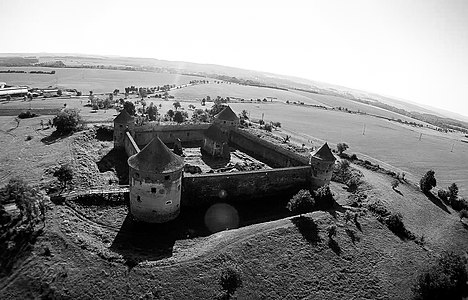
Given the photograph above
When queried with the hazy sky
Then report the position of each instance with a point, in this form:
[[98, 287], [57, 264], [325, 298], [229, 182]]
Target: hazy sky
[[415, 50]]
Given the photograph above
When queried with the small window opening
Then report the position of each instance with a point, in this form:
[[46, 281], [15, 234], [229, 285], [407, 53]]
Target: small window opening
[[167, 177], [121, 126], [188, 133], [138, 199], [169, 202], [153, 190]]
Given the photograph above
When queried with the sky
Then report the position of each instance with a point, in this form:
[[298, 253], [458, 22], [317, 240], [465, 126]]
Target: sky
[[414, 49]]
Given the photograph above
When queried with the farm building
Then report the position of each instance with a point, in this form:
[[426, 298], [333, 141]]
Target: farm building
[[6, 90], [215, 142], [226, 118]]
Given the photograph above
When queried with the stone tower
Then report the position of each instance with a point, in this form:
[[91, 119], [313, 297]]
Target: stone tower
[[322, 162], [226, 119], [122, 123], [155, 175]]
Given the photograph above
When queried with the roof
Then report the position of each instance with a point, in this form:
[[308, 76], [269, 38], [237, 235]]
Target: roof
[[324, 153], [157, 158], [227, 114], [214, 133], [123, 117]]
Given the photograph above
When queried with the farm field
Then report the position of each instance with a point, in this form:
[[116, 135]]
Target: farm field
[[213, 90], [96, 80], [335, 101], [386, 141]]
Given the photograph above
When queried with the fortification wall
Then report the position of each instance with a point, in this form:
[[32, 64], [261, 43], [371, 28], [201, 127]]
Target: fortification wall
[[204, 189], [273, 155], [131, 147], [189, 134]]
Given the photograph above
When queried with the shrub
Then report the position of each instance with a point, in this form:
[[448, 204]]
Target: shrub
[[331, 231], [21, 194], [459, 203], [353, 156], [453, 191], [445, 280], [395, 223], [179, 117], [463, 214], [268, 127], [67, 121], [323, 196], [341, 147], [276, 124], [26, 115], [230, 279], [443, 194], [302, 202], [353, 183], [261, 122], [395, 183], [64, 174], [428, 181]]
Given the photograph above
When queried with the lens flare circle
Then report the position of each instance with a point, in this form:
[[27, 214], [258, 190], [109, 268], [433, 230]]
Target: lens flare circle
[[221, 216]]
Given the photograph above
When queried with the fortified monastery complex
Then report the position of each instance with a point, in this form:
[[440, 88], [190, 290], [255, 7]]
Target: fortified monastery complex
[[159, 187]]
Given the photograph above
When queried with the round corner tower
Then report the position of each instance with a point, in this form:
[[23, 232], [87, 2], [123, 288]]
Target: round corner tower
[[122, 123], [322, 162], [155, 177]]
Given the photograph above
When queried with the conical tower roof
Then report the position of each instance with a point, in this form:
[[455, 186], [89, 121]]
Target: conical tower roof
[[156, 158], [324, 153], [214, 133], [227, 115], [123, 117]]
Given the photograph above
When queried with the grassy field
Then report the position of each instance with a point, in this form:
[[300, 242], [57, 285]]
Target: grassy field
[[386, 141], [96, 80]]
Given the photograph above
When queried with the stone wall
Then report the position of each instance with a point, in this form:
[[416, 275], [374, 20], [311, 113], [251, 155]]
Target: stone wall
[[205, 189], [189, 134], [273, 155]]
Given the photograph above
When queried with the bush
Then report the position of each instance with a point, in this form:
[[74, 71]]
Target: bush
[[395, 183], [445, 280], [443, 194], [341, 147], [395, 223], [463, 214], [459, 203], [67, 121], [453, 191], [26, 115], [353, 156], [179, 117], [21, 194], [261, 122], [353, 183], [268, 127], [302, 202], [331, 231], [230, 279], [428, 181], [324, 196], [64, 174], [276, 124]]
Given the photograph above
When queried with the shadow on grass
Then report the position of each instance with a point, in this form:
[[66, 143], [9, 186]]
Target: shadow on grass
[[334, 246], [398, 192], [54, 137], [307, 228], [436, 201], [115, 161]]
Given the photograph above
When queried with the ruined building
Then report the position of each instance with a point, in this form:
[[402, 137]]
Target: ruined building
[[159, 189]]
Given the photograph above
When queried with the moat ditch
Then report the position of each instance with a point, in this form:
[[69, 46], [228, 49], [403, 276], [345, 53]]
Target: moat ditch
[[137, 241]]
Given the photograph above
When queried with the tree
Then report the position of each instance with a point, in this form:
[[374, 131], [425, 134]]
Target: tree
[[199, 115], [230, 280], [170, 113], [324, 196], [67, 121], [302, 202], [22, 194], [176, 105], [152, 112], [216, 109], [428, 181], [129, 107], [59, 93], [178, 117], [244, 115], [64, 174], [341, 147], [453, 191], [331, 231]]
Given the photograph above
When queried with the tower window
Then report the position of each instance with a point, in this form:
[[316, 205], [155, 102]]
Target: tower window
[[169, 202], [188, 133], [153, 190], [120, 125], [167, 177], [138, 199]]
